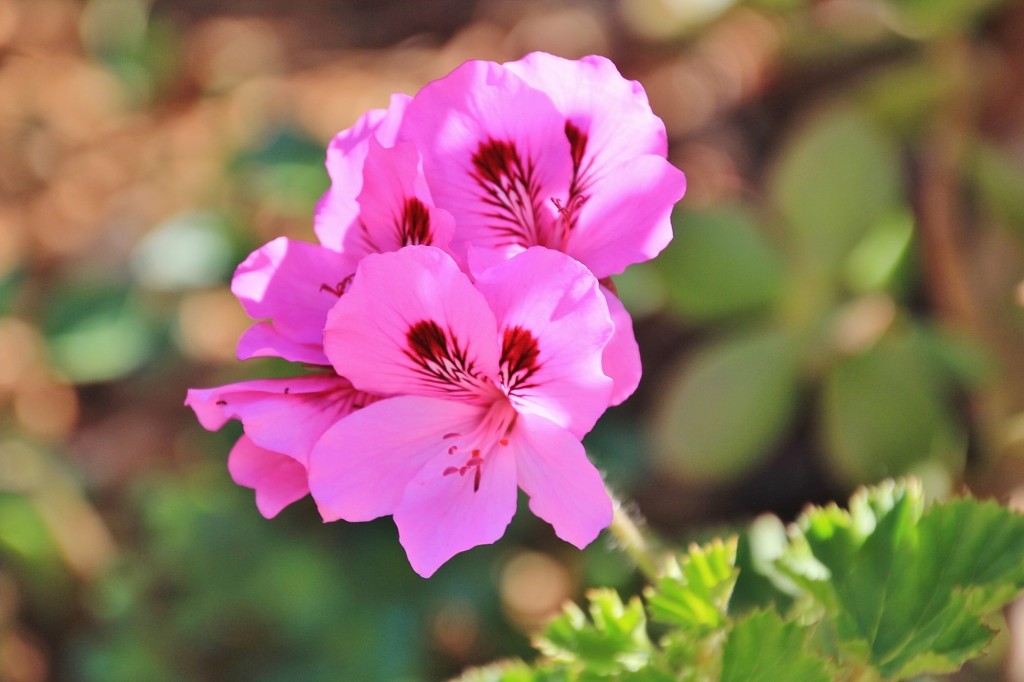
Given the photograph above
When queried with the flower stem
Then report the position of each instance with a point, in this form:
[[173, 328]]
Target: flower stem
[[627, 528]]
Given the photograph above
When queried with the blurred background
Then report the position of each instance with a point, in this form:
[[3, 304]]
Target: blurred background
[[842, 302]]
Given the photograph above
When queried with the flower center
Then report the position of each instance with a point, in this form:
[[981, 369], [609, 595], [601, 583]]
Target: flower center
[[477, 446]]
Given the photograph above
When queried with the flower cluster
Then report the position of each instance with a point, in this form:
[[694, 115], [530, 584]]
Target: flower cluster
[[457, 312]]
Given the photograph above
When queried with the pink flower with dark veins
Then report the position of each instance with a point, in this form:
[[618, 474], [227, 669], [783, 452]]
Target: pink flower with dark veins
[[493, 385], [458, 312], [338, 209], [291, 286], [283, 419], [550, 152]]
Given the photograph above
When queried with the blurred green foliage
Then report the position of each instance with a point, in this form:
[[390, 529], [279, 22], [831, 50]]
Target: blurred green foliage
[[839, 305]]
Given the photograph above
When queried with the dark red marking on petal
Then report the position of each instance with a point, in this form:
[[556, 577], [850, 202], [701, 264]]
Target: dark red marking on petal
[[476, 479], [222, 403], [448, 436], [287, 390], [511, 190], [440, 359], [580, 179], [427, 340], [453, 449], [450, 470], [504, 441], [519, 353], [578, 147], [415, 223]]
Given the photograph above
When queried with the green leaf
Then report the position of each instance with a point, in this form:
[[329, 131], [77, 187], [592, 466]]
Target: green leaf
[[501, 671], [188, 251], [878, 260], [903, 97], [694, 592], [97, 332], [764, 648], [613, 640], [835, 179], [962, 360], [728, 406], [885, 411], [760, 585], [998, 179], [719, 264], [925, 18], [286, 172], [907, 588]]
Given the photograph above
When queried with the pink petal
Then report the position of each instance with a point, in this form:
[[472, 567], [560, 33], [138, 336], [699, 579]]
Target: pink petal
[[262, 340], [362, 465], [293, 284], [559, 304], [621, 358], [626, 217], [495, 155], [287, 416], [338, 208], [396, 208], [412, 323], [277, 479], [565, 489], [612, 113], [443, 514]]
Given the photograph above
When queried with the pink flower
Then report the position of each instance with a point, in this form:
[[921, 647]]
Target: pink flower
[[283, 419], [494, 385], [277, 479], [550, 152], [292, 285], [458, 360], [338, 210]]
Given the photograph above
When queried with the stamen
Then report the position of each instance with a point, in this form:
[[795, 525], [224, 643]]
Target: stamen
[[340, 288], [568, 213], [491, 430]]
